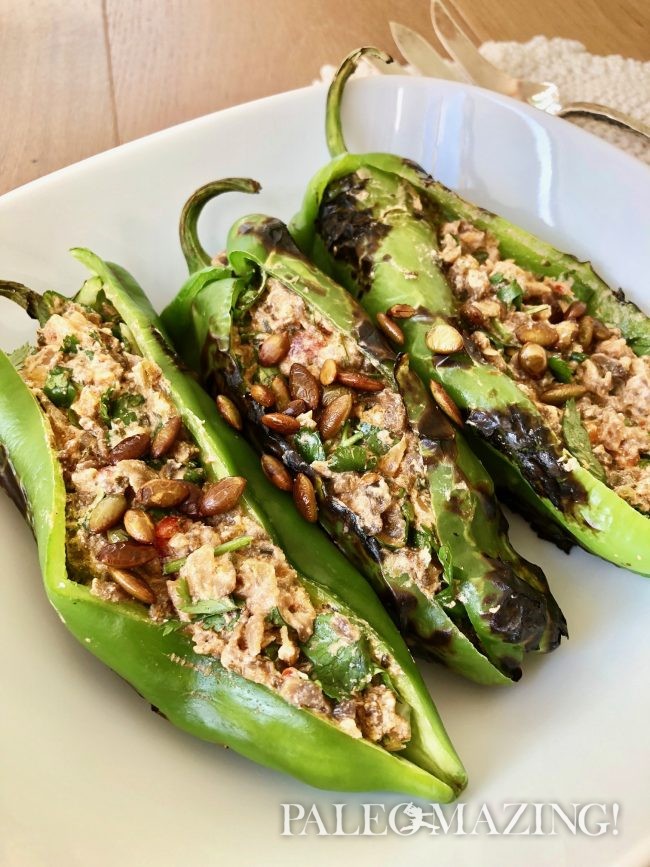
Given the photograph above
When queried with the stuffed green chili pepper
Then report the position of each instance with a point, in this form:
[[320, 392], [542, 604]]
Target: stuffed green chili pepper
[[546, 366], [239, 623], [351, 431]]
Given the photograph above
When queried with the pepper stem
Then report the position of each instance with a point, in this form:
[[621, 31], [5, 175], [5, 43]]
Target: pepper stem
[[28, 299], [333, 129], [195, 254]]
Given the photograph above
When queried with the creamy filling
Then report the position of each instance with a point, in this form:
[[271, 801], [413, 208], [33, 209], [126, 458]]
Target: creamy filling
[[508, 308], [146, 524], [372, 464]]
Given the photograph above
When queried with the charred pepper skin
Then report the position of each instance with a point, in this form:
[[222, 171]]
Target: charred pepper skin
[[195, 692], [388, 255], [506, 608]]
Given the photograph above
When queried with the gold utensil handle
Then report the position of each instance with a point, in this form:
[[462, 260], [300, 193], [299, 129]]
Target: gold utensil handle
[[603, 112]]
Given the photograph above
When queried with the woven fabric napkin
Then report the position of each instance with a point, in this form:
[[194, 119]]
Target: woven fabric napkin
[[616, 81]]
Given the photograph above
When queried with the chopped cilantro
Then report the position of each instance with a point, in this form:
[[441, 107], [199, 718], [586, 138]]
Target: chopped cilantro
[[219, 622], [499, 335], [194, 474], [271, 651], [119, 408], [211, 606], [372, 438], [578, 442], [18, 356], [309, 445], [183, 591], [214, 614], [105, 406], [59, 387], [351, 439], [124, 405], [351, 459], [510, 294], [70, 345], [342, 667], [275, 617]]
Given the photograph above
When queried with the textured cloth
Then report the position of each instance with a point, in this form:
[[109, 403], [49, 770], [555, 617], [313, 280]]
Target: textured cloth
[[616, 81]]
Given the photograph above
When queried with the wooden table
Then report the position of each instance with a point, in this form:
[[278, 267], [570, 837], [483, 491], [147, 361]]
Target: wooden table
[[80, 76]]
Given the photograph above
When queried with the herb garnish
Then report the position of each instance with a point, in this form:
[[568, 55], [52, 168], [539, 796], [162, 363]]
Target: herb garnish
[[59, 387]]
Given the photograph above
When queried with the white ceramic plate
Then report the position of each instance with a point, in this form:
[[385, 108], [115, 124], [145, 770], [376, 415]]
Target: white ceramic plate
[[89, 774]]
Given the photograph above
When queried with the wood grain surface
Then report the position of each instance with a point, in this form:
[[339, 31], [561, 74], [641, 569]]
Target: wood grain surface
[[79, 76]]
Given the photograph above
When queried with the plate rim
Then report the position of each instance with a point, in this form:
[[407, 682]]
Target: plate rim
[[518, 107]]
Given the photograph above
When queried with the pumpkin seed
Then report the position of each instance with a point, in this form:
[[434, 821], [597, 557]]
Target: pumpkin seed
[[401, 311], [163, 493], [276, 472], [126, 555], [130, 448], [263, 395], [390, 329], [229, 411], [139, 526], [281, 392], [303, 385], [445, 403], [533, 360], [328, 372], [540, 333], [274, 349], [280, 423], [444, 339], [559, 394], [107, 513], [335, 415], [222, 496], [134, 586], [358, 381], [304, 497], [575, 310], [166, 437]]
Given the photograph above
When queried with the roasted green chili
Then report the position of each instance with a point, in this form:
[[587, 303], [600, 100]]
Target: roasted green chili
[[493, 606], [371, 221], [195, 692]]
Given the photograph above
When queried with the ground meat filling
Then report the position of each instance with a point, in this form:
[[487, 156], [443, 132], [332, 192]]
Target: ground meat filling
[[353, 430], [143, 522], [538, 331]]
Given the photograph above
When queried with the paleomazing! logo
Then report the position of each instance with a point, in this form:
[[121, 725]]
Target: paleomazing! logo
[[406, 819]]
